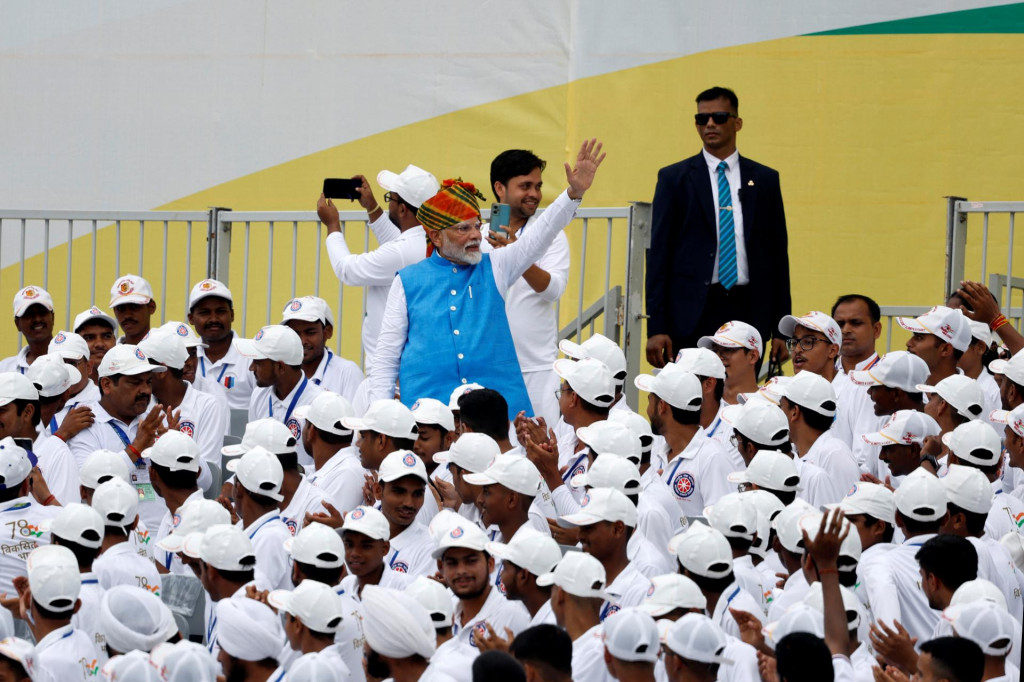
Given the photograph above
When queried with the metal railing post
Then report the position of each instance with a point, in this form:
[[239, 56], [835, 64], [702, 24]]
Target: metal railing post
[[218, 246], [956, 245], [640, 218]]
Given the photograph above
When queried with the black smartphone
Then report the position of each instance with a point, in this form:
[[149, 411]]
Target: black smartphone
[[341, 188]]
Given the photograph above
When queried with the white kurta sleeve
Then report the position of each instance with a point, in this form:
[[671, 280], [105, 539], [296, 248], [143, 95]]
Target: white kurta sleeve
[[376, 268], [394, 331], [511, 262]]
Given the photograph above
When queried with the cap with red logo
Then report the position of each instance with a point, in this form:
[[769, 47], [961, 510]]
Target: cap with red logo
[[950, 325], [734, 334], [206, 289], [130, 289], [816, 321], [30, 296]]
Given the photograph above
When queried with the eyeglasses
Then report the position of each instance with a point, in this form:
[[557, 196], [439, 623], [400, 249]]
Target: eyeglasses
[[718, 117], [465, 229], [558, 393], [805, 343], [389, 197], [734, 441]]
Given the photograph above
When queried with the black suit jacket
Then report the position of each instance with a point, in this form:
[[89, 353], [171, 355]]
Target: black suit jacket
[[684, 248]]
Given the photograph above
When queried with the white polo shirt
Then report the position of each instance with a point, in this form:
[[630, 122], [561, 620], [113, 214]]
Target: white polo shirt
[[307, 499], [206, 420], [88, 395], [893, 583], [793, 590], [227, 378], [855, 413], [87, 619], [65, 655], [20, 532], [544, 615], [341, 479], [744, 662], [628, 589], [832, 456], [121, 565], [60, 471], [1006, 515], [698, 475], [411, 551], [752, 580], [391, 579], [734, 597], [338, 375], [264, 403], [817, 487], [349, 638], [497, 610], [656, 492], [588, 657], [16, 363], [273, 565], [171, 561]]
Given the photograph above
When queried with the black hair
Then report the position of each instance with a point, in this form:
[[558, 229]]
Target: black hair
[[484, 410], [957, 659], [55, 615], [987, 469], [402, 443], [719, 386], [786, 448], [260, 500], [873, 310], [870, 522], [497, 666], [600, 410], [685, 417], [915, 527], [8, 494], [48, 400], [545, 646], [975, 521], [786, 497], [719, 92], [289, 460], [237, 576], [803, 657], [950, 558], [115, 530], [332, 438], [177, 480], [83, 555], [513, 163], [17, 669], [815, 420], [740, 544], [714, 585], [20, 404], [327, 576]]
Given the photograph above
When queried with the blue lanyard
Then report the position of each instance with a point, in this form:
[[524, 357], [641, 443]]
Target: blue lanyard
[[253, 534], [141, 463], [93, 581], [568, 472], [391, 563], [210, 641], [732, 596], [53, 424], [291, 406], [718, 422], [607, 607], [202, 368], [679, 460], [330, 356]]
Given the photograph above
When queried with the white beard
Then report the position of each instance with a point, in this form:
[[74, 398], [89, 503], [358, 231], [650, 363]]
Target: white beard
[[459, 254]]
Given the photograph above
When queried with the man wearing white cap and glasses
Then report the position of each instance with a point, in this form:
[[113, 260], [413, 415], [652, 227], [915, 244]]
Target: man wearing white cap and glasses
[[939, 337], [123, 424], [337, 472], [528, 555], [257, 494], [311, 318], [738, 345], [399, 233], [33, 319], [223, 370], [814, 341], [276, 353], [696, 466], [97, 328], [631, 645], [131, 299], [48, 600]]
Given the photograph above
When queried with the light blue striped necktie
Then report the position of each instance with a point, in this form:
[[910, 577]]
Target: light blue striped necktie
[[727, 274]]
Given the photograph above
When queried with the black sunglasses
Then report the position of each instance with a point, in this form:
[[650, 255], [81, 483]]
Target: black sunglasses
[[718, 117]]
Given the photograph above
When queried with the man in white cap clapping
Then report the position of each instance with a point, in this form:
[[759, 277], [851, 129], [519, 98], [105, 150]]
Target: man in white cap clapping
[[131, 299], [33, 318], [311, 318]]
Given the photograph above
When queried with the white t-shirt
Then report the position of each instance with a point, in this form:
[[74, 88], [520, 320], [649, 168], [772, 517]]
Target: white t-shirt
[[411, 551], [60, 471], [497, 610], [1006, 513], [341, 479], [855, 415], [734, 597], [588, 657], [264, 403], [628, 589], [833, 457], [171, 561], [20, 532], [122, 565], [273, 565], [698, 475], [87, 619], [228, 378], [893, 583], [307, 499], [206, 420], [337, 375], [65, 655]]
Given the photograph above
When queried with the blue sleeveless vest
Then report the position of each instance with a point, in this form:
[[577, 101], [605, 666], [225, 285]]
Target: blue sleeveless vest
[[458, 334]]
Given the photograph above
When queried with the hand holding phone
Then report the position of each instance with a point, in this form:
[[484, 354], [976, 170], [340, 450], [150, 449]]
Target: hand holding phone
[[341, 188], [501, 216]]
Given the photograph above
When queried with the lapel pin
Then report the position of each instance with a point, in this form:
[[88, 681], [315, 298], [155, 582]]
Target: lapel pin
[[750, 183]]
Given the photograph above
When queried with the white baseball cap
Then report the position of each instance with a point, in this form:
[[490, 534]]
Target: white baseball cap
[[816, 321], [611, 471], [606, 437], [589, 378], [30, 296], [599, 347], [206, 288], [117, 502], [435, 598], [166, 347], [904, 428], [921, 496], [414, 184], [102, 465], [768, 505], [326, 413], [960, 391], [225, 547], [603, 504], [174, 450], [703, 551], [851, 547], [770, 391], [53, 577], [579, 574], [267, 433], [317, 545], [734, 515], [811, 391], [637, 424], [184, 332], [1013, 418], [981, 332], [126, 360], [1014, 544], [734, 334], [529, 549], [516, 473], [986, 624], [670, 592], [316, 605], [466, 535], [367, 521], [770, 469], [130, 289], [630, 634], [21, 651], [69, 346], [815, 598], [93, 313], [798, 618], [950, 325], [78, 523], [274, 342], [461, 390], [980, 589], [1013, 369], [308, 309], [759, 421], [701, 362], [259, 471], [896, 369], [975, 442], [968, 488], [473, 452], [787, 525], [52, 376], [388, 417], [674, 385], [193, 517], [402, 463], [696, 637], [14, 464], [431, 411], [16, 386], [870, 499]]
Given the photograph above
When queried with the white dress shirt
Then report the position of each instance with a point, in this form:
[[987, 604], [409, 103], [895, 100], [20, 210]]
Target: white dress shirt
[[734, 597], [341, 479], [88, 395], [60, 471], [66, 655], [628, 589], [337, 375], [228, 378], [87, 618], [273, 565], [698, 475], [732, 174], [264, 403]]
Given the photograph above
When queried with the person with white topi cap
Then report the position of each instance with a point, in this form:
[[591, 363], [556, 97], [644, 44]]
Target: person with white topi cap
[[399, 234], [119, 563], [250, 638], [631, 645], [311, 318], [33, 319], [313, 615], [222, 371], [528, 555]]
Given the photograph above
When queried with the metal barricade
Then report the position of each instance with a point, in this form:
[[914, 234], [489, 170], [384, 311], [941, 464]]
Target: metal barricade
[[963, 255]]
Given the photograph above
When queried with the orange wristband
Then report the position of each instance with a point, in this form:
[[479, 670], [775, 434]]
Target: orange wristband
[[999, 322]]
